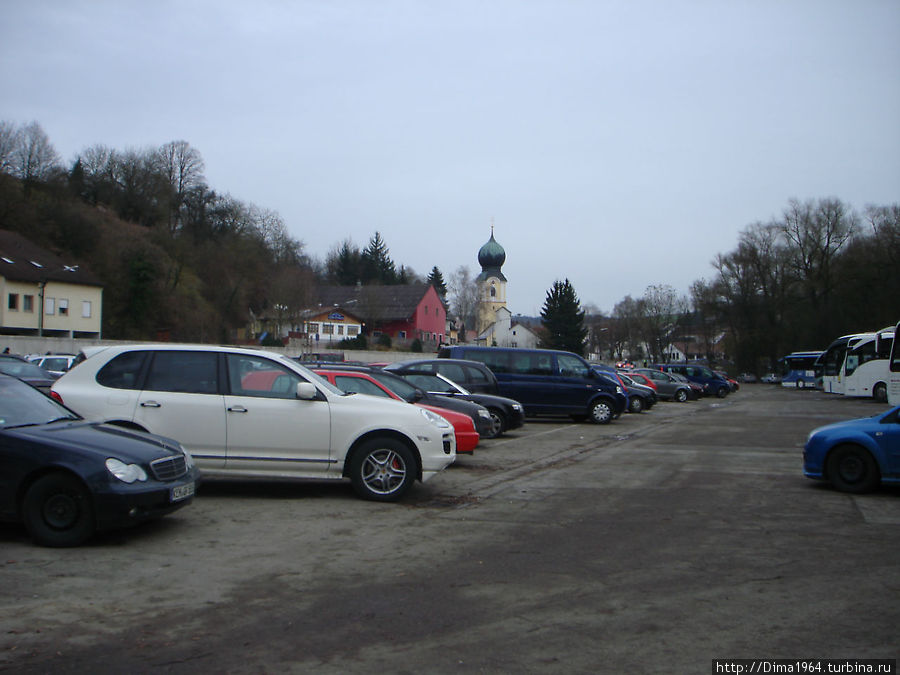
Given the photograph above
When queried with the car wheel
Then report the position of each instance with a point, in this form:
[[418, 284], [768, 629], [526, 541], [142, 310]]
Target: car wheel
[[635, 405], [382, 469], [57, 511], [601, 412], [681, 396], [498, 423], [721, 392], [852, 469], [879, 392]]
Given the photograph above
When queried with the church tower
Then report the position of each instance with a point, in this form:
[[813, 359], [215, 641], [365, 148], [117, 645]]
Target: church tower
[[491, 283]]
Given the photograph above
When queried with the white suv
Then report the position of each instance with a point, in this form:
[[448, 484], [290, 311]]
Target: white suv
[[248, 413]]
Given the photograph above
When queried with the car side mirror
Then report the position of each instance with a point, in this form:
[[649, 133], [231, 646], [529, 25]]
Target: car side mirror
[[306, 391]]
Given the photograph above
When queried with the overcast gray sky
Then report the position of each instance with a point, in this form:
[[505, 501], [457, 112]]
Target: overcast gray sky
[[616, 143]]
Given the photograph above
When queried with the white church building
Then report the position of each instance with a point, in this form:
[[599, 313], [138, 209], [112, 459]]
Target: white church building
[[496, 326]]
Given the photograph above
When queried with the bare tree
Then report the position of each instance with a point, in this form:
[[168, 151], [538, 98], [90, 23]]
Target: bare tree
[[285, 249], [463, 296], [34, 158], [663, 308], [182, 168], [627, 336], [816, 232], [10, 139], [98, 173]]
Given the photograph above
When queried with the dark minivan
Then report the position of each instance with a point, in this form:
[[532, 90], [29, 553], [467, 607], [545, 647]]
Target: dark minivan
[[548, 382]]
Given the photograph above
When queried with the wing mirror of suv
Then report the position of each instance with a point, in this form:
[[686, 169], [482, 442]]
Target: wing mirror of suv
[[306, 391]]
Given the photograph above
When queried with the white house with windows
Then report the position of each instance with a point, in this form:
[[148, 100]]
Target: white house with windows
[[505, 331], [44, 295], [330, 325]]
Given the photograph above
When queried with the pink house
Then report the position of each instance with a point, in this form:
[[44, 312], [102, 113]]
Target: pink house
[[404, 312]]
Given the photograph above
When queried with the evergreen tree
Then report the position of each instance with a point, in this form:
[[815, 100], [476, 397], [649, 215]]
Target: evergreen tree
[[376, 264], [436, 279], [343, 264], [563, 319]]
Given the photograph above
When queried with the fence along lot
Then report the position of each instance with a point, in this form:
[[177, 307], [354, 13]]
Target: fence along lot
[[654, 544]]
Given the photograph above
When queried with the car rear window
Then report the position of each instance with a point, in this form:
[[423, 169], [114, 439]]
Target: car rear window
[[452, 371], [476, 376], [122, 371]]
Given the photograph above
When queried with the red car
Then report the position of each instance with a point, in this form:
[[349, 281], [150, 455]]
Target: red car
[[642, 379], [363, 383]]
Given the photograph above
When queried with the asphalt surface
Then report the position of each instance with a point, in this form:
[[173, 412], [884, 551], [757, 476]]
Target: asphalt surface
[[651, 545]]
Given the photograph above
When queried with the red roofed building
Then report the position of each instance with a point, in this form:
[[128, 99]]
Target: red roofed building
[[403, 312]]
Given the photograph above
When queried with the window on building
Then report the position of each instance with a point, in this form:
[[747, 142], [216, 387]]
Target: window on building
[[49, 306], [313, 328], [63, 307], [340, 329], [28, 303], [401, 335], [85, 309], [353, 330], [13, 302], [327, 329]]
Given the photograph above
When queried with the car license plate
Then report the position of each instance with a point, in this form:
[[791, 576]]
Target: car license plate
[[182, 492]]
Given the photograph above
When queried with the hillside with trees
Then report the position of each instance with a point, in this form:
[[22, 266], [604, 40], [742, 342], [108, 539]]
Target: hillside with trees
[[177, 259], [181, 260]]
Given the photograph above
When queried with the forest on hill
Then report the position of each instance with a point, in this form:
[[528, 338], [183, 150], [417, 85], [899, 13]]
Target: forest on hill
[[179, 258], [174, 255]]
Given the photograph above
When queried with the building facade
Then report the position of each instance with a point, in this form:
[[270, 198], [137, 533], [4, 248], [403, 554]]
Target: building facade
[[44, 296]]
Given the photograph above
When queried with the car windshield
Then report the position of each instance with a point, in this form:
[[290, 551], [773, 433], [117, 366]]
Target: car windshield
[[398, 385], [23, 369], [435, 383], [23, 405]]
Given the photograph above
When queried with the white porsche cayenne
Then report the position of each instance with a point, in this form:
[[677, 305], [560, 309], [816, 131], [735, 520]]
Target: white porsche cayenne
[[250, 413]]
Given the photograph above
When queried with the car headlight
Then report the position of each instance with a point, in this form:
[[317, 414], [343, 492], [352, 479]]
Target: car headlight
[[484, 413], [516, 407], [127, 473], [618, 389], [435, 419], [188, 460]]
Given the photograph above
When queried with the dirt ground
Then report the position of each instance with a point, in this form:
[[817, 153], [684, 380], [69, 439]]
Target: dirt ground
[[652, 545]]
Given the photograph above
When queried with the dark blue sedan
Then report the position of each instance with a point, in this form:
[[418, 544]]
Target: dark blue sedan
[[65, 478], [856, 455]]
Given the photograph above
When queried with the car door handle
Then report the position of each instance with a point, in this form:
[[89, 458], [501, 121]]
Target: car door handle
[[150, 404], [237, 408]]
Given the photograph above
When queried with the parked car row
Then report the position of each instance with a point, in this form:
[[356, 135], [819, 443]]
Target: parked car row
[[104, 453], [55, 364], [233, 412]]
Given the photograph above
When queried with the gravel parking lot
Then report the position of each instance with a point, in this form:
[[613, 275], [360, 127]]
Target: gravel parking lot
[[652, 545]]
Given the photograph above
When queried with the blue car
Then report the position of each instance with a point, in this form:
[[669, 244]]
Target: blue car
[[856, 455]]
